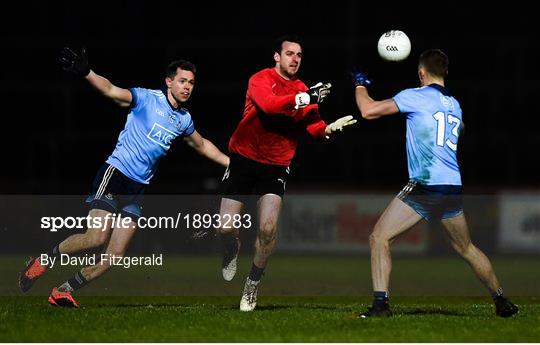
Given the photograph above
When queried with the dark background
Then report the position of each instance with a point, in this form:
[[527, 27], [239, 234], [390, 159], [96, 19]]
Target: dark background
[[57, 130]]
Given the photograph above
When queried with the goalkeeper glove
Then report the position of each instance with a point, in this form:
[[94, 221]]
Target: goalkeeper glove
[[339, 124], [73, 62], [314, 95], [359, 79]]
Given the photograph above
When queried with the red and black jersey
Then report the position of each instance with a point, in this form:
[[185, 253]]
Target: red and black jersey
[[270, 126]]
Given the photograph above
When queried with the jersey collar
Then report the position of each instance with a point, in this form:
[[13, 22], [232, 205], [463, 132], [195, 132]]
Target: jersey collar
[[164, 90], [441, 89]]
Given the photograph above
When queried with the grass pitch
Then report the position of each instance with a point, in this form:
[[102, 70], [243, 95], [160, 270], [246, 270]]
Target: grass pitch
[[276, 319], [298, 303]]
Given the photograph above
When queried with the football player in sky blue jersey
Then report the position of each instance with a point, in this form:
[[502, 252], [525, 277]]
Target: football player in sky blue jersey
[[155, 120], [434, 123]]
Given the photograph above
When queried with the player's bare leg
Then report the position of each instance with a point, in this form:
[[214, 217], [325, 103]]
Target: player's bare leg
[[269, 207], [395, 220], [116, 247], [94, 237], [459, 235], [229, 236]]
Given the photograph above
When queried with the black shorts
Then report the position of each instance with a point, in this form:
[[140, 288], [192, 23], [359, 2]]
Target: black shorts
[[115, 192], [433, 201], [245, 177]]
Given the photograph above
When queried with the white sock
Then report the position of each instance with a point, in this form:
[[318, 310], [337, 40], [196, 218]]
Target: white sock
[[65, 287]]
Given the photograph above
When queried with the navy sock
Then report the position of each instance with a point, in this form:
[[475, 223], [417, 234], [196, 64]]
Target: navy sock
[[77, 281], [380, 297], [256, 273], [230, 245], [55, 252]]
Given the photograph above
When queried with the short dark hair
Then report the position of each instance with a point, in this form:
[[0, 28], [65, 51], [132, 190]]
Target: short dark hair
[[435, 62], [182, 64], [278, 44]]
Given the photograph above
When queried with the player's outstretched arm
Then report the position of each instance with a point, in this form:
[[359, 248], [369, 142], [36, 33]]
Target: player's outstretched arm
[[206, 148], [122, 97], [77, 63], [370, 108]]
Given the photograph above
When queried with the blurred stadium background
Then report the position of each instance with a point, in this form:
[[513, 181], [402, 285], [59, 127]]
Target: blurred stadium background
[[57, 131], [322, 248]]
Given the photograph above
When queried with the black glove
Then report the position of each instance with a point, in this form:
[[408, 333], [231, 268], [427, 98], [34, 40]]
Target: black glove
[[73, 62], [317, 93]]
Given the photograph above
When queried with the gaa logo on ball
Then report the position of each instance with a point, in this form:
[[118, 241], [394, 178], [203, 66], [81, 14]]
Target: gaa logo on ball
[[394, 45]]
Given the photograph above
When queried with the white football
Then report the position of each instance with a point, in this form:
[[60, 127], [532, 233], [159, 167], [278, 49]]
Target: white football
[[394, 45]]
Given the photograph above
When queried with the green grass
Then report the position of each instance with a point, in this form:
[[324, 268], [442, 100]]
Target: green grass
[[302, 299], [277, 319]]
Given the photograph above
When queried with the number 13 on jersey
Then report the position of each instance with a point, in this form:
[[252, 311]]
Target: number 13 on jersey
[[442, 120]]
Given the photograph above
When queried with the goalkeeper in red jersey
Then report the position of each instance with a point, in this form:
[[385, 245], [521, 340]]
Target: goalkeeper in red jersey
[[278, 108]]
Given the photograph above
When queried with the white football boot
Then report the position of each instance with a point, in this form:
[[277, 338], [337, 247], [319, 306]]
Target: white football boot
[[230, 263], [249, 296]]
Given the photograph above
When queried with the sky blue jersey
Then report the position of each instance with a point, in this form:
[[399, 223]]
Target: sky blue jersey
[[434, 123], [151, 127]]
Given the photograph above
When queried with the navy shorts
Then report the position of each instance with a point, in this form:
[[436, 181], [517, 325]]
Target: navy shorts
[[245, 177], [114, 192], [433, 202]]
